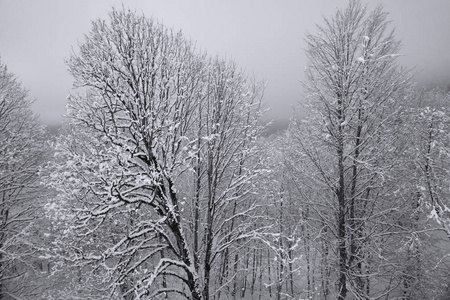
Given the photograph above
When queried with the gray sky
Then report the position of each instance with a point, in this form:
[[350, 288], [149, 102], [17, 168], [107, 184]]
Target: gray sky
[[263, 37]]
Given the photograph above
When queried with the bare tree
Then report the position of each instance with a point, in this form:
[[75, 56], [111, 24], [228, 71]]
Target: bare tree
[[226, 164], [426, 183], [21, 155], [354, 84], [159, 165]]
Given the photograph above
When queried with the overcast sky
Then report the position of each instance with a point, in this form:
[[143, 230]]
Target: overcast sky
[[263, 37]]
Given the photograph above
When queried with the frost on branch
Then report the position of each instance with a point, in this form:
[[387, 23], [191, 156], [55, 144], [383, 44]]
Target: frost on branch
[[347, 150], [160, 142], [22, 153]]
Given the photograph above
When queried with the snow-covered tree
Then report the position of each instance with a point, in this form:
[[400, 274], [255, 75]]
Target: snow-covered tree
[[355, 88], [426, 183], [21, 155], [159, 165], [430, 122], [226, 165], [283, 240]]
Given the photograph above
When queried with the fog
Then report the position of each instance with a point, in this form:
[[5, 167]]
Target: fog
[[264, 37]]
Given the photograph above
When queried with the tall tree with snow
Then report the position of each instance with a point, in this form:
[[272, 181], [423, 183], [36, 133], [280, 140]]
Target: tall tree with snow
[[226, 165], [426, 180], [355, 87], [21, 155], [160, 160]]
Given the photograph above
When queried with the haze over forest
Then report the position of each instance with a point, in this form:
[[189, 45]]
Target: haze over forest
[[264, 37], [165, 181]]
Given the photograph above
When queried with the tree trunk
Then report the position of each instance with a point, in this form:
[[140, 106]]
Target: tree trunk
[[223, 271], [342, 209], [208, 249], [164, 280], [342, 232], [268, 270], [235, 274], [291, 271], [325, 265], [254, 271], [261, 253], [244, 275]]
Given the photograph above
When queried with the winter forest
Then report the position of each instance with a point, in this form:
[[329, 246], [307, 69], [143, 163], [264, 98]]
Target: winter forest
[[165, 182]]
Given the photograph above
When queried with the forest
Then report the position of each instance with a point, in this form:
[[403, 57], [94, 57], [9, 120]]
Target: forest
[[167, 182]]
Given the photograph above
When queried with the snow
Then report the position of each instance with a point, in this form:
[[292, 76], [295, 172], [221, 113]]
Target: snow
[[211, 137], [433, 215]]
